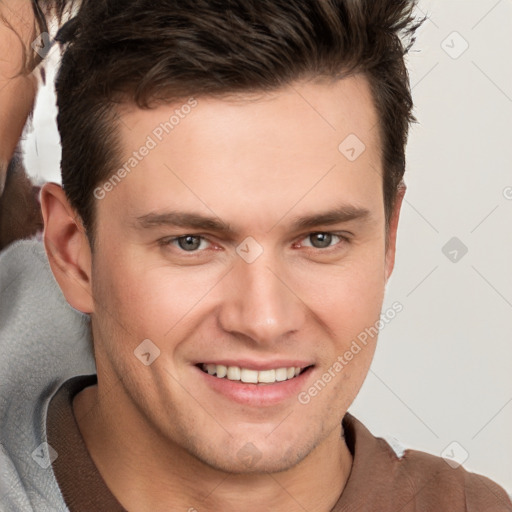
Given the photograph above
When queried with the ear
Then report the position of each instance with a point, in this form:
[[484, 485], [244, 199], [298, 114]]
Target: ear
[[392, 231], [67, 248]]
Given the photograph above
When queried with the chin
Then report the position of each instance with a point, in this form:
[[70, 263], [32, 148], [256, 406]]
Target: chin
[[250, 460]]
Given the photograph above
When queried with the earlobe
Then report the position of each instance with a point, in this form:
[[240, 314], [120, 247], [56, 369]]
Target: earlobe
[[67, 248], [392, 232]]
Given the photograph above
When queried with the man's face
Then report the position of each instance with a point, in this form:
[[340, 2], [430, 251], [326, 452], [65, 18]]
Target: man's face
[[270, 293]]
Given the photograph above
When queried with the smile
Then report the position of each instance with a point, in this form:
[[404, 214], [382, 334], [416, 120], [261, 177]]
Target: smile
[[248, 376]]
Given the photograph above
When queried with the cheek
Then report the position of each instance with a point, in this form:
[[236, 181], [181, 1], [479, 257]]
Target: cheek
[[149, 300], [348, 297], [348, 302]]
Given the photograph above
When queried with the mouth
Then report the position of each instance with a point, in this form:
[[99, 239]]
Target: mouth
[[250, 376], [256, 383]]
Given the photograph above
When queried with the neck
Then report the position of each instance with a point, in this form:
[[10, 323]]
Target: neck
[[153, 472]]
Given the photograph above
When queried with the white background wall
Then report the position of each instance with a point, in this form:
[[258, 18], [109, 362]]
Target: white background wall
[[443, 367]]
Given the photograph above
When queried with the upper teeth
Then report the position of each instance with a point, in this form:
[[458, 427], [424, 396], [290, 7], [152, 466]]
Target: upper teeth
[[251, 376]]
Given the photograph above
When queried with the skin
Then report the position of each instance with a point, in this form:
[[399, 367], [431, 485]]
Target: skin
[[20, 212], [17, 90], [159, 434]]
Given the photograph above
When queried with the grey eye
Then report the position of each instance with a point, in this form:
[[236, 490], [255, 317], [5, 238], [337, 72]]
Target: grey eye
[[189, 242], [320, 240]]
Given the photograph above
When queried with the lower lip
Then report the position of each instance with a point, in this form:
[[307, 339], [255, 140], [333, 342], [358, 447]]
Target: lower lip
[[257, 394]]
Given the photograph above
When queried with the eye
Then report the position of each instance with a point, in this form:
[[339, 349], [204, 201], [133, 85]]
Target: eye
[[322, 240], [188, 243]]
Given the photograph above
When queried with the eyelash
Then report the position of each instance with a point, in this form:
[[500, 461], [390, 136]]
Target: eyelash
[[164, 242]]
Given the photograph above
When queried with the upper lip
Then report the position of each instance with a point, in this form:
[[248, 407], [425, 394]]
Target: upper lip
[[259, 365]]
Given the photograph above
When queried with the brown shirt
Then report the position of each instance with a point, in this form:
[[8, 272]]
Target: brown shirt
[[379, 481]]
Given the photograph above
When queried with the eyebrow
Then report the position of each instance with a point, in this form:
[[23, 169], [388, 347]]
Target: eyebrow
[[179, 219], [339, 215]]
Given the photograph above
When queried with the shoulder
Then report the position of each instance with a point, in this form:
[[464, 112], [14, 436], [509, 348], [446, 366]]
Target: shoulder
[[43, 342], [395, 478], [32, 307], [438, 482], [38, 328]]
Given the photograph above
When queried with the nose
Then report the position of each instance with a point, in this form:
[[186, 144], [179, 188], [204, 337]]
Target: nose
[[260, 303]]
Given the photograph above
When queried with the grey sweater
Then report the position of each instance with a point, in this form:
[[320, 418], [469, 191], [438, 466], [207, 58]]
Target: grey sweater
[[43, 342]]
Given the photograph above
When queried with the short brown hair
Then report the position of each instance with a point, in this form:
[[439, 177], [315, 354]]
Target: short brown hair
[[152, 51]]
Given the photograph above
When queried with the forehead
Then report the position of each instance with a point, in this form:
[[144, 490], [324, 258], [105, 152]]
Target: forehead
[[307, 142]]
